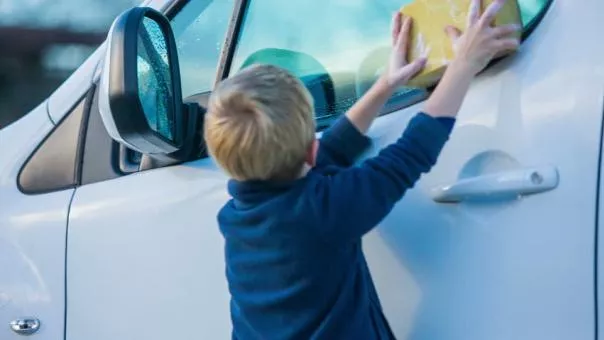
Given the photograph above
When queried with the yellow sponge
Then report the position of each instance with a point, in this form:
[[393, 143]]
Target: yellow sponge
[[430, 17]]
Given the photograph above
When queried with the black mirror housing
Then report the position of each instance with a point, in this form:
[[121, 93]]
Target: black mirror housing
[[140, 99]]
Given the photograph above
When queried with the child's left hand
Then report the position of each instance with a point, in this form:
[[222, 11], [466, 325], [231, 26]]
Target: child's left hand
[[400, 71]]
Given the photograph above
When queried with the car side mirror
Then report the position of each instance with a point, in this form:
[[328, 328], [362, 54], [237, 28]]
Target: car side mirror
[[140, 91]]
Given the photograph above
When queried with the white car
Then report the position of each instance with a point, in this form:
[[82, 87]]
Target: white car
[[108, 208]]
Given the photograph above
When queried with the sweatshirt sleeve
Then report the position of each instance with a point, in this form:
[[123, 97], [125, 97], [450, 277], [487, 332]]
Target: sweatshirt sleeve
[[341, 144], [355, 200]]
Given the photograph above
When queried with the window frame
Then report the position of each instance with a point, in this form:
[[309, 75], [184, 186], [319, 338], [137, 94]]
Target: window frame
[[229, 42]]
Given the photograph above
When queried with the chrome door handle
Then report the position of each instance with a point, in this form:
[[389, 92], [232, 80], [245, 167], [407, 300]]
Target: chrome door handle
[[511, 183], [25, 326]]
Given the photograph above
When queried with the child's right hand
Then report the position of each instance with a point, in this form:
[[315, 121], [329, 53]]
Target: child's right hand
[[481, 42]]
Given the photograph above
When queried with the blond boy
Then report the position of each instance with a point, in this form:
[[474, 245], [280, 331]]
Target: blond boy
[[300, 207]]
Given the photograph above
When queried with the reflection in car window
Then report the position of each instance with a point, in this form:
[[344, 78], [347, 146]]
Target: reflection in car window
[[200, 28], [335, 47]]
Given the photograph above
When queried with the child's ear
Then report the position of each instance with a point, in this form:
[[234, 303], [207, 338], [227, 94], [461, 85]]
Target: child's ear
[[311, 156]]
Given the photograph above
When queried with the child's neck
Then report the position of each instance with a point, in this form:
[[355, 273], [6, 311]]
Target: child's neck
[[305, 170]]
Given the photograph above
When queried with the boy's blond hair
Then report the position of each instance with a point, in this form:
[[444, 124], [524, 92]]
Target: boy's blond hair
[[260, 125]]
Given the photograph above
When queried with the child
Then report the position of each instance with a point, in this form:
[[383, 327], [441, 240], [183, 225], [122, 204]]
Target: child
[[300, 207]]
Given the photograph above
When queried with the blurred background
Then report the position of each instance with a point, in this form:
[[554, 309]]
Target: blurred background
[[42, 42]]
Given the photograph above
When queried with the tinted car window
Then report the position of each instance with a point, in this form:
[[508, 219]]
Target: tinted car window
[[53, 166], [327, 44], [531, 11]]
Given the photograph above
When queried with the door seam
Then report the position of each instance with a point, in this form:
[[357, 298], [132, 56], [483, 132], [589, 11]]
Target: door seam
[[65, 265], [597, 229]]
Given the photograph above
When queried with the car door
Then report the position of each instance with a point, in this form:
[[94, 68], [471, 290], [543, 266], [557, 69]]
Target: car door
[[38, 174], [468, 254], [479, 256], [145, 256]]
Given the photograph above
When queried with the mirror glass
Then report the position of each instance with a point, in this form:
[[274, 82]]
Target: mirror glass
[[155, 89]]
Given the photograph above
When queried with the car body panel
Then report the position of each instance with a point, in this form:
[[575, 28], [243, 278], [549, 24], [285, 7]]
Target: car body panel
[[146, 257], [512, 269], [64, 98], [32, 236]]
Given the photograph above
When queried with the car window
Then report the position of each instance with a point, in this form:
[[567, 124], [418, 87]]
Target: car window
[[335, 47], [531, 11], [200, 28], [54, 165]]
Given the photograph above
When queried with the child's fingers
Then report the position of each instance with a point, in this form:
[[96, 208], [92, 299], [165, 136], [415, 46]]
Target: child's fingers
[[490, 13], [505, 30], [474, 13], [410, 70], [396, 26], [405, 36], [505, 44], [453, 32]]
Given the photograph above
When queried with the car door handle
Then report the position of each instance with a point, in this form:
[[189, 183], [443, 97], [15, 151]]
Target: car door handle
[[504, 184]]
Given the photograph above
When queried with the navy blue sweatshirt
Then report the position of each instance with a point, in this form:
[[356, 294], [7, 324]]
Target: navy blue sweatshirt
[[294, 261]]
